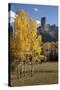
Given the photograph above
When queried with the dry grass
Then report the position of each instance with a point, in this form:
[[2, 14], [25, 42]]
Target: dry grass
[[45, 73]]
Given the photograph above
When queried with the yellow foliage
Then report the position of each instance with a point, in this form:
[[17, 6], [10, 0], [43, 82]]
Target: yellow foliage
[[25, 39]]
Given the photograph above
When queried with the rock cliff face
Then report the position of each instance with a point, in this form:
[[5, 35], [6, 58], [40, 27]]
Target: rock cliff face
[[49, 35]]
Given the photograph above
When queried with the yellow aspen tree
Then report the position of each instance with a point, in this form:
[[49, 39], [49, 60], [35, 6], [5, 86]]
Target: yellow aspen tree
[[25, 38], [35, 39]]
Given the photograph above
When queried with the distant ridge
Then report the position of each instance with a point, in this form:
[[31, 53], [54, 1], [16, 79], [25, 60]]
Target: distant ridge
[[47, 36]]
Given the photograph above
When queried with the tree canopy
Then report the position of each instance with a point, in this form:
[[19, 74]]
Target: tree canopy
[[25, 39]]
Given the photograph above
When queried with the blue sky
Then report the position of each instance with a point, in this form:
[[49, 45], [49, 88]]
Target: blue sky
[[38, 11]]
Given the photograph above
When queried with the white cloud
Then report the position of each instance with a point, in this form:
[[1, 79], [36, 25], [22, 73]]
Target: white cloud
[[38, 22], [12, 14], [11, 20], [36, 9]]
